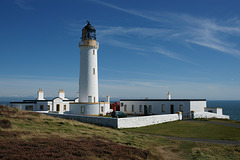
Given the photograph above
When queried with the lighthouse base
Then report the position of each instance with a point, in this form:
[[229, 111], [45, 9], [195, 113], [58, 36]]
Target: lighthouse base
[[90, 109]]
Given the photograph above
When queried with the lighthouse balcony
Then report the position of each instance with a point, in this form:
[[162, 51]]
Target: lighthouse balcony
[[89, 42]]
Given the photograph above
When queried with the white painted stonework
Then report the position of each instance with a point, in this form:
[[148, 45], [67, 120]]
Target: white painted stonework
[[141, 121], [88, 81]]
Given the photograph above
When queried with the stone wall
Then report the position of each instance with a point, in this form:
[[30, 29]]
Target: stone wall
[[130, 122], [141, 121], [208, 115]]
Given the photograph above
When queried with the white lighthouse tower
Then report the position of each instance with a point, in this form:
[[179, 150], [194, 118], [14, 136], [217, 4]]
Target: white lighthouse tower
[[88, 103], [88, 81]]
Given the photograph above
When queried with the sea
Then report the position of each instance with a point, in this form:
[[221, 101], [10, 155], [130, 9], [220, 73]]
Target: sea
[[230, 107]]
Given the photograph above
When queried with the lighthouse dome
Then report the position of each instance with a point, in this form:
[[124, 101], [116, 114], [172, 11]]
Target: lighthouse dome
[[88, 32]]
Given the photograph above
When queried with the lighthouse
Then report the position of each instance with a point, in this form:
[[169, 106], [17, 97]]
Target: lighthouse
[[88, 80], [88, 102]]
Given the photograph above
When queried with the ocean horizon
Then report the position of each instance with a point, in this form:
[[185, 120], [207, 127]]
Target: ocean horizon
[[230, 107]]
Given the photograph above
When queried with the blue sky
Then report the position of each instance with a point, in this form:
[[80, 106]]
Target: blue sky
[[147, 48]]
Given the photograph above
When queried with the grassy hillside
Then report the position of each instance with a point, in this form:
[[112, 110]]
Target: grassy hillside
[[192, 130], [26, 135]]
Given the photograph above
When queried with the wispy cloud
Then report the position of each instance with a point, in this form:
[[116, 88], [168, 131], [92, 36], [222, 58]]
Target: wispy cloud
[[210, 33], [22, 4]]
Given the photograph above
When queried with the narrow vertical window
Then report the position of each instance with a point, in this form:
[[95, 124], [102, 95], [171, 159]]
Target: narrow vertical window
[[82, 109], [48, 107], [140, 108], [163, 108], [102, 108], [93, 71], [65, 107], [93, 52], [150, 108], [132, 108], [125, 108]]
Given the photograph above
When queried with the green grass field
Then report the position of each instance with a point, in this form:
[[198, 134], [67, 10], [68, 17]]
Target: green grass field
[[191, 130], [26, 135]]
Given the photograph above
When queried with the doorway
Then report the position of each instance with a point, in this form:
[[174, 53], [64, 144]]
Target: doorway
[[145, 110], [58, 107], [172, 108]]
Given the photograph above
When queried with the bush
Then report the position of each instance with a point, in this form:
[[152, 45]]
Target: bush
[[4, 123]]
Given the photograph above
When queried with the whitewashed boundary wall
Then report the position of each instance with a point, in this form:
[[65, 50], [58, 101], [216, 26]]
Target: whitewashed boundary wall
[[101, 121], [130, 122], [142, 121], [208, 115]]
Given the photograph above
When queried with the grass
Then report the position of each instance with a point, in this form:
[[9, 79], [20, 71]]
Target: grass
[[219, 120], [192, 130], [46, 137]]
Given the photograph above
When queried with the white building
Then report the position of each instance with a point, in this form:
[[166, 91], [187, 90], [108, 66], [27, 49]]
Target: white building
[[59, 104], [188, 107], [88, 101], [88, 82]]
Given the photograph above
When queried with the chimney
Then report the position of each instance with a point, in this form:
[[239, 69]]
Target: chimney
[[61, 94], [40, 94], [169, 96], [108, 99]]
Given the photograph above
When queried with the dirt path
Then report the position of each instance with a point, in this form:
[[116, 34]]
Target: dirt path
[[220, 123]]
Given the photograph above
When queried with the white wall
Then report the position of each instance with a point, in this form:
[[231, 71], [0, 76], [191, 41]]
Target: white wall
[[209, 115], [89, 108], [88, 82], [141, 121], [198, 106], [156, 106]]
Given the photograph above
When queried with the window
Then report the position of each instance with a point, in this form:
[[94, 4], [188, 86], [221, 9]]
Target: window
[[48, 107], [102, 108], [121, 104], [140, 108], [82, 109], [181, 108], [163, 108], [65, 107], [29, 108], [93, 52], [93, 71], [125, 108], [150, 108], [132, 108], [94, 99], [41, 107]]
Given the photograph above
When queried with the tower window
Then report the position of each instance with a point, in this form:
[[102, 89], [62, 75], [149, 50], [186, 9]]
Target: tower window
[[93, 52], [132, 108], [93, 71], [102, 108], [82, 109]]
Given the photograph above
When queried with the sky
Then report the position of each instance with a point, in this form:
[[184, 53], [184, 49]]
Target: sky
[[147, 48]]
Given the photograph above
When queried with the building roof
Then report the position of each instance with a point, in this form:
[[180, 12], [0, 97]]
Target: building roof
[[35, 101], [162, 99]]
